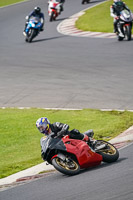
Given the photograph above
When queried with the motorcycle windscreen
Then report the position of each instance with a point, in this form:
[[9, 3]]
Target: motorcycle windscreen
[[52, 143]]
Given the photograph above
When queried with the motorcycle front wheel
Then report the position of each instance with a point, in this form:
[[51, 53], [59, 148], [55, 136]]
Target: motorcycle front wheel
[[108, 152], [68, 166], [51, 17], [31, 35], [128, 32]]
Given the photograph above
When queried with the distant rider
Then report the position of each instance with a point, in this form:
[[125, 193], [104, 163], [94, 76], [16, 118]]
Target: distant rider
[[60, 129], [35, 13], [58, 1], [115, 10]]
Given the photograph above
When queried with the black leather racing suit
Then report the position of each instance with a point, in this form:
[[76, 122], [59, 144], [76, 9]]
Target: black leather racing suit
[[115, 10], [62, 129], [33, 14]]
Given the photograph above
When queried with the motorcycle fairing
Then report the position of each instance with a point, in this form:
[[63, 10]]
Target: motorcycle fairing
[[85, 155], [33, 24], [126, 16], [50, 144], [53, 7]]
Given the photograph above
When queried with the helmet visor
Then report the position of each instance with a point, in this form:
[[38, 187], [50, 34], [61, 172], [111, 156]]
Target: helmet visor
[[44, 129]]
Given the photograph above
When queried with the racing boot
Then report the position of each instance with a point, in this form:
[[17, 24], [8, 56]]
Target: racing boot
[[89, 133], [61, 8], [86, 138], [115, 27], [92, 143]]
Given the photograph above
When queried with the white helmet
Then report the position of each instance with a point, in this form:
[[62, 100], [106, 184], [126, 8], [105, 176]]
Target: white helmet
[[116, 1]]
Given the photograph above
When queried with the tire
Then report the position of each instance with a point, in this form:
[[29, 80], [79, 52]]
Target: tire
[[51, 17], [109, 152], [31, 36], [83, 1], [26, 39], [69, 167], [120, 38], [128, 32]]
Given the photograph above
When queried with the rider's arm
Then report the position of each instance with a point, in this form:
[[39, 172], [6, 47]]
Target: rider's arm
[[112, 12], [42, 18], [60, 128], [29, 16], [126, 7]]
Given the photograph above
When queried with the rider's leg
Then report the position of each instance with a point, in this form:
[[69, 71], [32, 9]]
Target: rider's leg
[[26, 23], [115, 25], [88, 138]]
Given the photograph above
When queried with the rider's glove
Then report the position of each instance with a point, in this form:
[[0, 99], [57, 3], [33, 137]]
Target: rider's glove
[[61, 133], [86, 138], [27, 18], [116, 17]]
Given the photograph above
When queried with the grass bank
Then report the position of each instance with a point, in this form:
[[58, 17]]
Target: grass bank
[[98, 18], [20, 139], [9, 2]]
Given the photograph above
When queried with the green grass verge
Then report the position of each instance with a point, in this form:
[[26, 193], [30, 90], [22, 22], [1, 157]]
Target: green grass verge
[[98, 18], [9, 2], [20, 139]]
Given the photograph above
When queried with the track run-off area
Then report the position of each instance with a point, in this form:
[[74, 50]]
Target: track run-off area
[[60, 71]]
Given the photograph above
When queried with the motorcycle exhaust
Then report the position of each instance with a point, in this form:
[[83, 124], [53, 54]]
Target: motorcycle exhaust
[[100, 147]]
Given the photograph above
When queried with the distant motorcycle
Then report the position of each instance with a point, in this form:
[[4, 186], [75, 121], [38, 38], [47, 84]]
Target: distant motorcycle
[[124, 25], [85, 1], [32, 29], [54, 10], [69, 156]]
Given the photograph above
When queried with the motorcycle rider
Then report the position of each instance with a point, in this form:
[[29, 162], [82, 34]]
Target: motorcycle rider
[[115, 10], [35, 13], [58, 1], [60, 129]]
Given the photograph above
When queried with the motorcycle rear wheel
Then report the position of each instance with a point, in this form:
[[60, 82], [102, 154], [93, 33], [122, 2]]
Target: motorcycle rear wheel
[[68, 167], [85, 1], [109, 152]]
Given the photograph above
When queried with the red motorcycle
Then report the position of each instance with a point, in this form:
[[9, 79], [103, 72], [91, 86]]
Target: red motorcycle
[[54, 9], [69, 156]]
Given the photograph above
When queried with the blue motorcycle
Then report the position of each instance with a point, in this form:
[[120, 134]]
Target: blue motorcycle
[[33, 28]]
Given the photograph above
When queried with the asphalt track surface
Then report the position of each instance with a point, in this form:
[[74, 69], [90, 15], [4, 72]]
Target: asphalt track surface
[[59, 71], [107, 182]]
